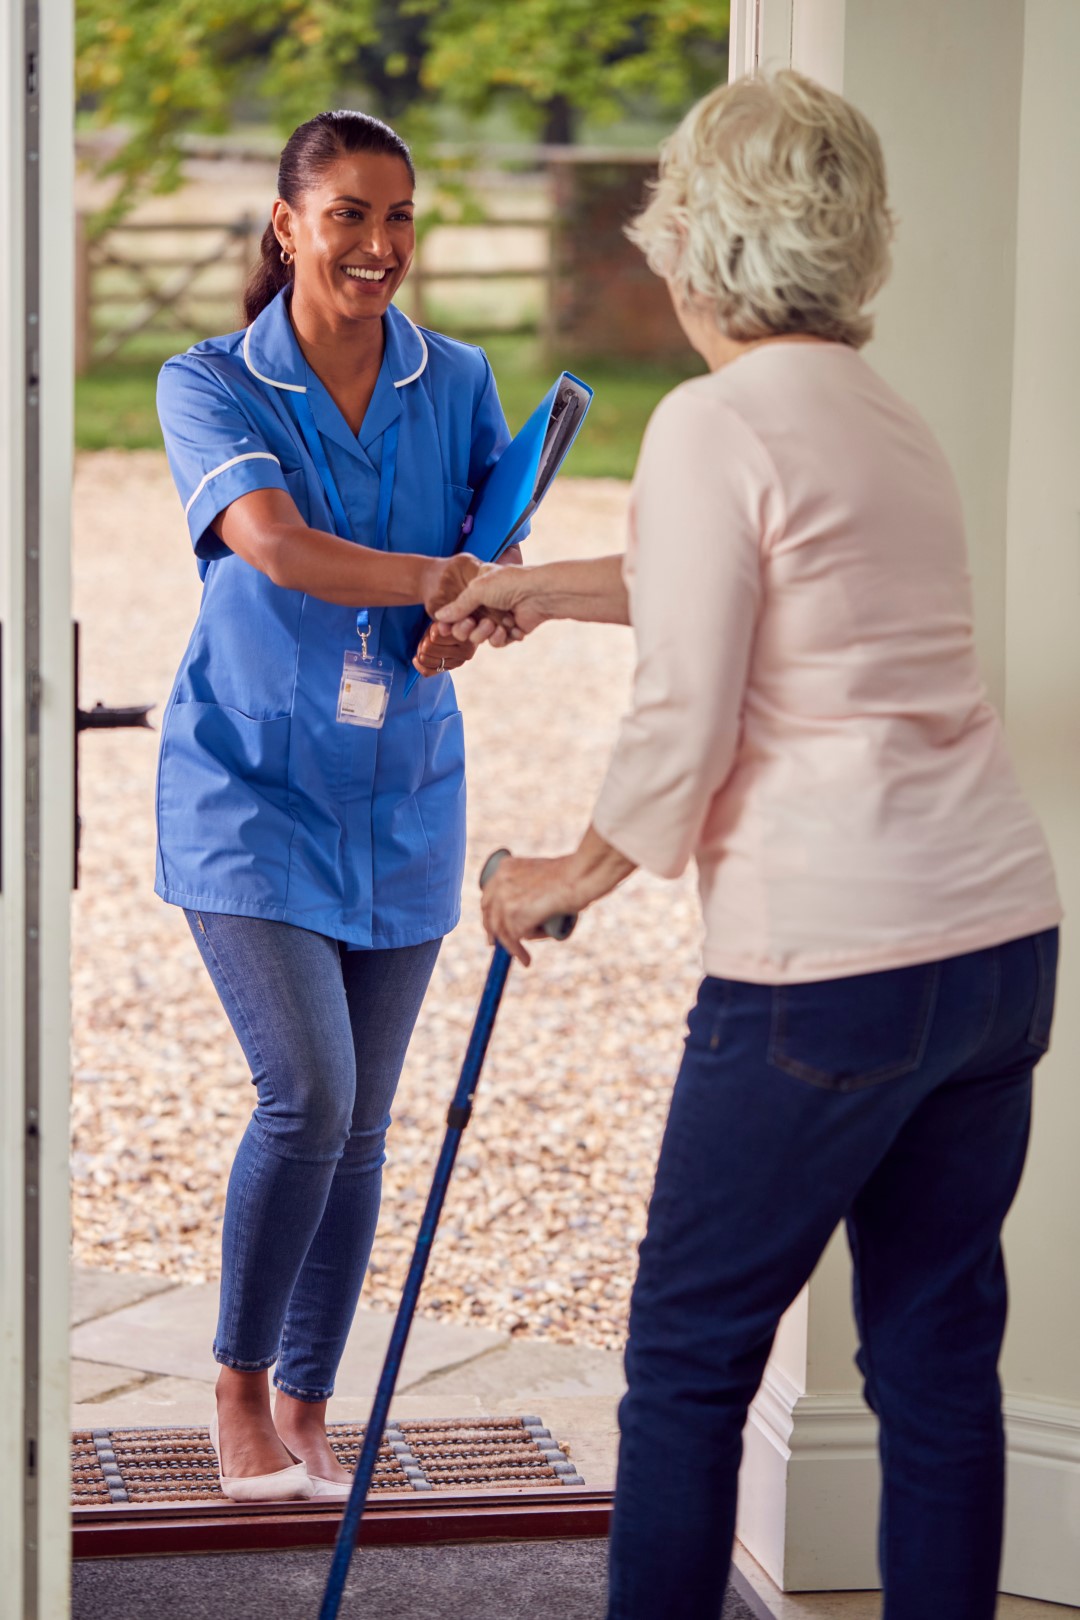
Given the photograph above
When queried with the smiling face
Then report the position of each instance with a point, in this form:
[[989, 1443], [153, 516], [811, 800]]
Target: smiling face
[[352, 236]]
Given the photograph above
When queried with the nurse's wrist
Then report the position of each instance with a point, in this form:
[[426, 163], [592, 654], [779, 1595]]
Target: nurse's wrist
[[425, 578], [444, 578]]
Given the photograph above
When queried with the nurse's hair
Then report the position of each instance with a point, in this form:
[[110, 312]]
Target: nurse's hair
[[307, 153], [770, 211]]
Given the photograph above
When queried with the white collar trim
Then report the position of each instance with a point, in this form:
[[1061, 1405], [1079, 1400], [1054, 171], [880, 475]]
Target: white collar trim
[[300, 388], [293, 388], [422, 367]]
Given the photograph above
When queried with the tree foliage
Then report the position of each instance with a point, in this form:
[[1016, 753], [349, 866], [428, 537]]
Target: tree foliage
[[595, 54], [160, 69]]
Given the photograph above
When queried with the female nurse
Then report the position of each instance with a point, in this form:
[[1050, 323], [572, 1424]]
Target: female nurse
[[311, 795]]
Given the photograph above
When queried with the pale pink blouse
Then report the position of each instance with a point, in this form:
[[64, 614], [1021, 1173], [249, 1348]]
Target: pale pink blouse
[[808, 718]]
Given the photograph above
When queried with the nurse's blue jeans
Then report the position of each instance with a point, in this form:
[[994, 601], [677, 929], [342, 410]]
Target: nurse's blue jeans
[[896, 1101], [325, 1031]]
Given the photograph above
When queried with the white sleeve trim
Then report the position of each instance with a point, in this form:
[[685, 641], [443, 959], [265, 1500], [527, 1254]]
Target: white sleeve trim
[[250, 455]]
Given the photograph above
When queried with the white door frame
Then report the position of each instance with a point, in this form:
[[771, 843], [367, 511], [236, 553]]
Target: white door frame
[[36, 435]]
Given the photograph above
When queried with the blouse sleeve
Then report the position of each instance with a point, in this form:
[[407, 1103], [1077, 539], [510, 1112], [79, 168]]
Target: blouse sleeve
[[214, 453], [704, 503]]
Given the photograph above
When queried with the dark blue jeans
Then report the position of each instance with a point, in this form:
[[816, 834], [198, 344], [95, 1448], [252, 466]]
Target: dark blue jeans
[[899, 1102], [325, 1032]]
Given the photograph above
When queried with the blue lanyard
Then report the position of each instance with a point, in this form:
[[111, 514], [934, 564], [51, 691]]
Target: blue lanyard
[[313, 439]]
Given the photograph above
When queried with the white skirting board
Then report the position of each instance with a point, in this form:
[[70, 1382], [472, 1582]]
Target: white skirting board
[[809, 1489], [1042, 1524]]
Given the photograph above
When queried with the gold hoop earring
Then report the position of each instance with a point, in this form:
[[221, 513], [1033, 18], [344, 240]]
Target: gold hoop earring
[[287, 258]]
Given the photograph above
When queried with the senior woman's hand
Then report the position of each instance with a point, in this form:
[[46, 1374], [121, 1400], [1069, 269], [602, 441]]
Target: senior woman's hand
[[500, 605], [440, 648], [523, 894]]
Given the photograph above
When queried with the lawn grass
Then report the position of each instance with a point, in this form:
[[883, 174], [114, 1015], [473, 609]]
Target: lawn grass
[[114, 403]]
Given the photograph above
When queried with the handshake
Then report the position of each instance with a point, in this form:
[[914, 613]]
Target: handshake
[[472, 602]]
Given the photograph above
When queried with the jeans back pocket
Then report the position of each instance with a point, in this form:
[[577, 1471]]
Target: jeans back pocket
[[846, 1034], [1046, 963]]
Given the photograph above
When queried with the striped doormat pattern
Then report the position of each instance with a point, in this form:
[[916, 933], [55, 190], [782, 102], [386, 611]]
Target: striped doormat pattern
[[178, 1464]]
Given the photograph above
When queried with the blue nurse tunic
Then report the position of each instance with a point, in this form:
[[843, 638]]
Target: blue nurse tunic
[[267, 805]]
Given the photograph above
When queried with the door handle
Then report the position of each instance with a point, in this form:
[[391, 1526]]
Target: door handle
[[100, 718]]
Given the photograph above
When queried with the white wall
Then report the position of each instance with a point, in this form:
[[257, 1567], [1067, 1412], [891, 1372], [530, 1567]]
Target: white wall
[[941, 84], [1043, 664], [978, 106]]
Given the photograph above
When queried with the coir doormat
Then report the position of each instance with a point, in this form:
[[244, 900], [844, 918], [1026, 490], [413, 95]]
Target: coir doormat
[[178, 1464]]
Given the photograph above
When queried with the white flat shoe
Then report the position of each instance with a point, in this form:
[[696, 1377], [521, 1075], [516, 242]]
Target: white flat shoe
[[331, 1487], [293, 1484]]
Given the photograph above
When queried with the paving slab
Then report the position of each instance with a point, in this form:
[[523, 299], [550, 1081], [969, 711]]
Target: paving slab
[[532, 1370], [97, 1293], [95, 1380], [163, 1402], [158, 1345], [156, 1401], [171, 1334]]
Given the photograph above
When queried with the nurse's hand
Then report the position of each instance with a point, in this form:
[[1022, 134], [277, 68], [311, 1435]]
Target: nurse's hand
[[439, 652], [447, 577]]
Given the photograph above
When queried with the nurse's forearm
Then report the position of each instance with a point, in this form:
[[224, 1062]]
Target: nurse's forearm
[[338, 571]]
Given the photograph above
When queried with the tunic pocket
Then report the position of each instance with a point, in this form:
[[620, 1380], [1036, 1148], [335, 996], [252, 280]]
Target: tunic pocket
[[224, 819], [251, 752]]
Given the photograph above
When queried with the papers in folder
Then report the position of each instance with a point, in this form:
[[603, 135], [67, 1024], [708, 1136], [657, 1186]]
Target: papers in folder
[[523, 474]]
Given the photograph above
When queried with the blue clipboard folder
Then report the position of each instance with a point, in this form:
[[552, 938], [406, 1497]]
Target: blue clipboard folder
[[523, 474], [525, 471]]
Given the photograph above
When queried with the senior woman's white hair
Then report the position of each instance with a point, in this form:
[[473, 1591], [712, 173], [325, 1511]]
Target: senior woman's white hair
[[771, 209]]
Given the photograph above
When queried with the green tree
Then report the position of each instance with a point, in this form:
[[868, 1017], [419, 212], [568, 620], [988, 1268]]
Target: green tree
[[564, 59], [160, 69]]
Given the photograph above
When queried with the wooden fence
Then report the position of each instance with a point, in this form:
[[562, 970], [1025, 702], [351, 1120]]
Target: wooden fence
[[175, 279]]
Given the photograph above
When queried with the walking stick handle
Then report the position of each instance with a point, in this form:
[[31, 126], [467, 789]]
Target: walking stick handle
[[559, 927]]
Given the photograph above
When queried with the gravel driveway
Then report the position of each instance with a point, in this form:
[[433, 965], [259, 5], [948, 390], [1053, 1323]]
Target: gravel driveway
[[549, 1198]]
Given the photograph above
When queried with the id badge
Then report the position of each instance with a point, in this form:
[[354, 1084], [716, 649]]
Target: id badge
[[365, 690]]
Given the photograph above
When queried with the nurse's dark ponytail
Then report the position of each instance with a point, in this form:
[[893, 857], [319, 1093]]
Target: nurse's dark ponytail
[[308, 151]]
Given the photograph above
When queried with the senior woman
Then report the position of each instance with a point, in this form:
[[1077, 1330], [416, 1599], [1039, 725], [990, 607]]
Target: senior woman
[[809, 722], [311, 803]]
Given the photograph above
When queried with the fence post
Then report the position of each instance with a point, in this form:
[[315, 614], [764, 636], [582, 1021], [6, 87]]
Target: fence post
[[250, 239], [84, 331], [419, 314]]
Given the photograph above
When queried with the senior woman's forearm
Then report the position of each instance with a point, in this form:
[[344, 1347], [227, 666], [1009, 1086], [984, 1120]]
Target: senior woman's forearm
[[596, 867], [589, 589]]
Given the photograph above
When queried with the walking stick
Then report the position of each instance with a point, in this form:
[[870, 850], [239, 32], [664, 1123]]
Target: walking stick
[[456, 1120]]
